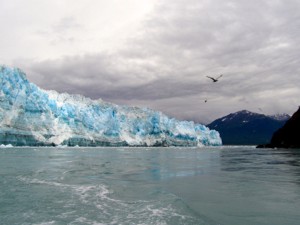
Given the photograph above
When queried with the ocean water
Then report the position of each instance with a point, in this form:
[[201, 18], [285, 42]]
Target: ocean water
[[212, 185]]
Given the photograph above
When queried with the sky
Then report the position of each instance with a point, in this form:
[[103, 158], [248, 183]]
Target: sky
[[157, 53]]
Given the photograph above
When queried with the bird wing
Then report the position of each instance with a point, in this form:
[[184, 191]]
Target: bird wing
[[211, 78], [219, 76]]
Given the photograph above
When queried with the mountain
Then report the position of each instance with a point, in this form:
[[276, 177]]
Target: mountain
[[247, 128], [288, 135], [30, 116]]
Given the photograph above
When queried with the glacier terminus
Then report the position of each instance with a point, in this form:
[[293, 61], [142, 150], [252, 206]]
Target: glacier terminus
[[31, 116]]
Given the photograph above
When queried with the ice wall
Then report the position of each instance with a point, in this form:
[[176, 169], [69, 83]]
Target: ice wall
[[35, 117]]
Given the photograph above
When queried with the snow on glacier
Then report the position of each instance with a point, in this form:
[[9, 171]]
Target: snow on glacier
[[33, 116]]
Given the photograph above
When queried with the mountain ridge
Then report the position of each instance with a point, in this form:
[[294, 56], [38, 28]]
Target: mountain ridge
[[247, 128], [287, 136]]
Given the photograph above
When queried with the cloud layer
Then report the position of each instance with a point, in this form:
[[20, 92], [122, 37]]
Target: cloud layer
[[163, 64]]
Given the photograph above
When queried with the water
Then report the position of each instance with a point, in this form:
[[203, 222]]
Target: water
[[215, 185]]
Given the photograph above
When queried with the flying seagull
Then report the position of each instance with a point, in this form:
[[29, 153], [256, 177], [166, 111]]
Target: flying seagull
[[215, 79]]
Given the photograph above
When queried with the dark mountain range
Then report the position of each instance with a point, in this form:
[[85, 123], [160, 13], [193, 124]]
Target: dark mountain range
[[248, 128], [288, 135]]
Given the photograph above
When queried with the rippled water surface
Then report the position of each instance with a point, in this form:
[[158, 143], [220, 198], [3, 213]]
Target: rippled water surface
[[215, 185]]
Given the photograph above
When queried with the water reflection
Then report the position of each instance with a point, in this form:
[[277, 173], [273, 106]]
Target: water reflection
[[224, 185], [244, 185], [263, 164]]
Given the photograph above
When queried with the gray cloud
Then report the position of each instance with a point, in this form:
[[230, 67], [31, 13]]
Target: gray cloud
[[164, 66]]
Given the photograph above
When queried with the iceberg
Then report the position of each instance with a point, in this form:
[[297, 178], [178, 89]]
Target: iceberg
[[31, 116]]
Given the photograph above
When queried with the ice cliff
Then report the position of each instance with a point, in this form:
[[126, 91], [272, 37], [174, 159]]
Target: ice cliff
[[32, 116]]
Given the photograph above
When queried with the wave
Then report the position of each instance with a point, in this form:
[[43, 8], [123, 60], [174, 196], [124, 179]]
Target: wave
[[103, 207]]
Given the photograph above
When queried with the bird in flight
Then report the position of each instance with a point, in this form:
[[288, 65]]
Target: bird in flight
[[215, 79]]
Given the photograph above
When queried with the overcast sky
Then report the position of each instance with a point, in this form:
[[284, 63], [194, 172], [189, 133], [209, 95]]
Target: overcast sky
[[157, 53]]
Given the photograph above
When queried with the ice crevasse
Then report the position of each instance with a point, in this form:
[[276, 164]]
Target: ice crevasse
[[31, 116]]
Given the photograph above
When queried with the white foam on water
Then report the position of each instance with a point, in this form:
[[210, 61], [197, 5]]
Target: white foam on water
[[99, 201], [83, 220], [38, 181], [45, 223]]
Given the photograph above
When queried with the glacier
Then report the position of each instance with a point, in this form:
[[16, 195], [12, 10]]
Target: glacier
[[31, 116]]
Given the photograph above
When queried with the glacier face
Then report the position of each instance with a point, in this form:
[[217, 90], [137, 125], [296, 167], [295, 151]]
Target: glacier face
[[30, 116]]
